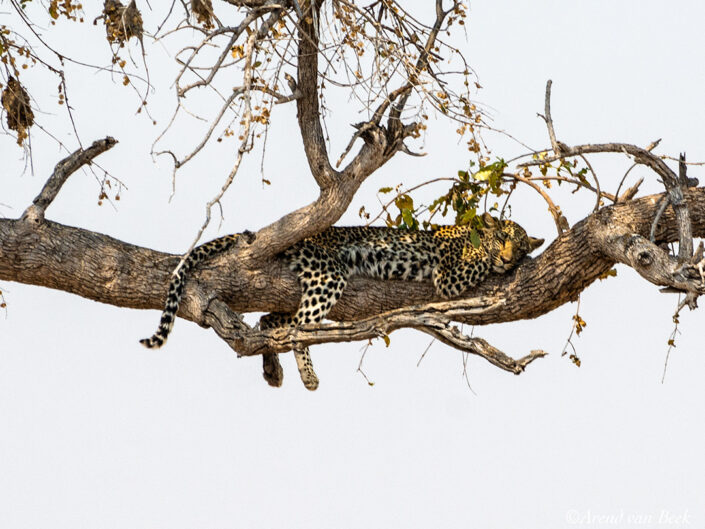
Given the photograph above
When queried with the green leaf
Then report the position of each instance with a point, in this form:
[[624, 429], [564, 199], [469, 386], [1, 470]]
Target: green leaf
[[408, 217], [404, 202], [386, 189], [467, 216], [475, 238]]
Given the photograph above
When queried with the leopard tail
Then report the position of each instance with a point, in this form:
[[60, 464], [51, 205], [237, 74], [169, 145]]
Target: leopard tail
[[176, 286]]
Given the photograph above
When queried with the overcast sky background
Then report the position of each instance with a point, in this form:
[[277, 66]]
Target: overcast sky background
[[97, 432]]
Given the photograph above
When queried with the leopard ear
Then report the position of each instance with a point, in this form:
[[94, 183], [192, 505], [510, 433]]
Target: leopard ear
[[534, 243], [489, 221]]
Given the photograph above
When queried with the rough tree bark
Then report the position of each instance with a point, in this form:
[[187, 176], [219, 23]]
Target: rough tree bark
[[252, 277], [37, 251]]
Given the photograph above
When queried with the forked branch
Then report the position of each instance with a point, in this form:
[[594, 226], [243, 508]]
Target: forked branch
[[674, 184], [249, 342]]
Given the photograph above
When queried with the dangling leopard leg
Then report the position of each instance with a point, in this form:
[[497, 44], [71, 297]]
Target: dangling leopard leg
[[271, 368], [305, 365], [318, 295]]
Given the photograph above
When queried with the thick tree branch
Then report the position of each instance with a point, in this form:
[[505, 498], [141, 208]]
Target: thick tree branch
[[62, 171], [337, 189], [382, 143], [249, 342], [671, 181], [304, 222], [576, 259], [309, 113], [652, 262], [99, 267]]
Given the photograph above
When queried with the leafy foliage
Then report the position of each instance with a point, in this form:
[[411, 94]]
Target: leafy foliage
[[463, 200]]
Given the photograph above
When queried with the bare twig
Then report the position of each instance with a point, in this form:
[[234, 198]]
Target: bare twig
[[246, 123], [558, 218], [630, 192], [672, 339], [236, 92], [423, 355], [575, 326], [235, 34], [555, 144], [598, 192], [673, 183], [663, 204], [649, 148], [362, 359]]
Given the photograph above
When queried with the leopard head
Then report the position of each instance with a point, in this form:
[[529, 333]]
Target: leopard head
[[507, 243]]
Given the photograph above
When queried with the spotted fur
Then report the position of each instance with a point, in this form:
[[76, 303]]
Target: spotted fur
[[176, 286], [324, 263]]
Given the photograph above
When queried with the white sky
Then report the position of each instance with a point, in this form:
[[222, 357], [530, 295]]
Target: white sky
[[96, 432]]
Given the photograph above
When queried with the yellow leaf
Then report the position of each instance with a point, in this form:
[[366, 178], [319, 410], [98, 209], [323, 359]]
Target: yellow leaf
[[482, 175]]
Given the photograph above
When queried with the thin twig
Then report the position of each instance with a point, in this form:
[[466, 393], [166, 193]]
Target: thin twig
[[598, 200], [247, 121], [425, 351], [663, 204], [649, 148], [557, 148], [362, 359], [558, 217], [672, 339]]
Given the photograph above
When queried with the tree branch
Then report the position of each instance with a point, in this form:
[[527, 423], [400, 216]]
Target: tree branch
[[307, 105], [382, 143], [674, 184], [62, 171], [99, 267], [249, 342]]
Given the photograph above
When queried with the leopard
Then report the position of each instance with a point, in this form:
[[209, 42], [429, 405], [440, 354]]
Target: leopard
[[454, 258]]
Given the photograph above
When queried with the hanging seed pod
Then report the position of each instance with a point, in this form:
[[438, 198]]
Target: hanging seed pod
[[203, 11], [15, 101], [122, 23]]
